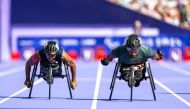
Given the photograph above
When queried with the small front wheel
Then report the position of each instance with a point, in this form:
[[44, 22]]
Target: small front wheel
[[49, 91], [50, 80]]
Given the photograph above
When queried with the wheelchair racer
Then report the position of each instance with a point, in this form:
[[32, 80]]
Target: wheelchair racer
[[133, 53], [49, 53]]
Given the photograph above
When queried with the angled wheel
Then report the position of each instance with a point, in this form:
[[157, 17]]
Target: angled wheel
[[68, 80], [151, 80], [32, 78], [151, 77], [114, 79], [152, 83]]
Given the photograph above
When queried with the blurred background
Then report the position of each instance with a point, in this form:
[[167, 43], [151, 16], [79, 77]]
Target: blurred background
[[89, 29]]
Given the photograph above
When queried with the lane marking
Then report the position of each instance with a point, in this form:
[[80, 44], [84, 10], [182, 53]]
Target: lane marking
[[175, 68], [178, 70], [20, 91], [11, 71], [172, 92], [98, 79]]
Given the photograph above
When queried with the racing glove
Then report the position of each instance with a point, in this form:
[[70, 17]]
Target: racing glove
[[27, 83], [160, 54], [73, 84], [105, 61]]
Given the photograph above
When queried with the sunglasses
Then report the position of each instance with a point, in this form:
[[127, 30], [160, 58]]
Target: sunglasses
[[50, 56], [136, 49]]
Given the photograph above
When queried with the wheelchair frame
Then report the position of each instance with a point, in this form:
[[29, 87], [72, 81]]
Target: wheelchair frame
[[115, 76], [50, 76]]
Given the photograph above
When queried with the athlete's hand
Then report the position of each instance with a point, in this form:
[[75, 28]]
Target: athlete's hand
[[160, 54], [104, 61], [73, 84], [27, 83]]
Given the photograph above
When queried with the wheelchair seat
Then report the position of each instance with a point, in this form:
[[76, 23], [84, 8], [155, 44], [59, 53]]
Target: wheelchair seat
[[56, 71], [139, 74]]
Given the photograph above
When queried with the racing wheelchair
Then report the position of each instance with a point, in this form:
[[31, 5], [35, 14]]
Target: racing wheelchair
[[131, 76], [49, 76]]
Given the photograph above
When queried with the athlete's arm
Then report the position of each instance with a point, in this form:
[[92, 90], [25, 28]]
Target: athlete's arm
[[152, 54], [108, 59], [158, 55], [115, 53], [67, 59], [34, 59]]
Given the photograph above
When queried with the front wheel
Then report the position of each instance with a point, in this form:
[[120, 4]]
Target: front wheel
[[49, 91], [50, 80]]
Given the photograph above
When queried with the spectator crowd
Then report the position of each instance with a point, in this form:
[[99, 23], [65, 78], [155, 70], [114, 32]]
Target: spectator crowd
[[175, 12]]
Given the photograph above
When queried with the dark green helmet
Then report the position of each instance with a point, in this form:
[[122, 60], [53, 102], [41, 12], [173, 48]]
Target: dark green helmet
[[51, 47], [133, 41]]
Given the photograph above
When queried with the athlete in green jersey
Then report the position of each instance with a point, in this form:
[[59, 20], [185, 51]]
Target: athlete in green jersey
[[133, 53]]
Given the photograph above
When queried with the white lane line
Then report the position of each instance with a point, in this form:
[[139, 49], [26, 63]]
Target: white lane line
[[11, 71], [172, 92], [175, 69], [178, 70], [20, 91], [98, 79]]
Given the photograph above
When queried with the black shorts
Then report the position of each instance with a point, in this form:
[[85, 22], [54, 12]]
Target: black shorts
[[124, 66], [45, 70], [139, 74]]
